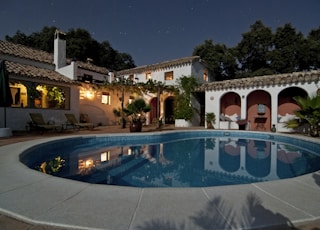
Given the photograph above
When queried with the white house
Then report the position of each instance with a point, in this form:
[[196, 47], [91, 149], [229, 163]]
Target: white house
[[260, 102], [35, 71], [33, 81], [168, 72], [52, 85]]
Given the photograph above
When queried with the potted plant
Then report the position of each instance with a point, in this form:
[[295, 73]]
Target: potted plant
[[55, 97], [136, 112], [183, 110], [242, 124], [33, 95], [210, 119], [309, 114]]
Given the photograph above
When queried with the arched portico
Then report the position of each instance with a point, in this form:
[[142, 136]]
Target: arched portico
[[273, 94], [168, 110], [259, 110], [287, 105]]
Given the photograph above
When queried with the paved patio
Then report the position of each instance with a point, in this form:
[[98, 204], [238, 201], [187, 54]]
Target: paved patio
[[31, 200]]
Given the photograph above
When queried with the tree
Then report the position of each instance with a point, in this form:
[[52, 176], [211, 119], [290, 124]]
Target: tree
[[221, 61], [80, 46], [309, 58], [287, 48], [39, 40], [79, 43], [254, 49], [136, 112]]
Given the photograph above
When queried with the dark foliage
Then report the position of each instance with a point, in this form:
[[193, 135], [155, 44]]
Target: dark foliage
[[80, 46]]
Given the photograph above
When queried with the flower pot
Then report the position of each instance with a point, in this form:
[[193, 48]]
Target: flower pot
[[135, 127], [242, 124], [5, 132], [182, 123], [209, 125]]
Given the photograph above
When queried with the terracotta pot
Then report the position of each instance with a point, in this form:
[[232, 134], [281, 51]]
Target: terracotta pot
[[136, 127]]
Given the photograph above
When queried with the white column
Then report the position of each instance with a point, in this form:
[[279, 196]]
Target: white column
[[274, 108], [243, 106]]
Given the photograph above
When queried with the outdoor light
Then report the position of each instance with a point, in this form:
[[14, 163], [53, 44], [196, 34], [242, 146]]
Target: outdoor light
[[89, 95], [89, 163]]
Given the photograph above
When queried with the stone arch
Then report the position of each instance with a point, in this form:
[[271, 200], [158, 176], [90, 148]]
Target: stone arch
[[168, 110], [287, 106], [286, 103], [230, 104], [259, 110]]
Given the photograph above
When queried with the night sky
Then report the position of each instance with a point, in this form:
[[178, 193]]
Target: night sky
[[154, 31]]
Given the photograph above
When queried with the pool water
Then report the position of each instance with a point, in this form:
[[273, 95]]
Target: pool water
[[201, 161]]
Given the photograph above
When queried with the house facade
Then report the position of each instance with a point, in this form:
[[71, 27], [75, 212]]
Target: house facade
[[168, 73], [53, 85], [99, 102], [259, 103], [35, 86]]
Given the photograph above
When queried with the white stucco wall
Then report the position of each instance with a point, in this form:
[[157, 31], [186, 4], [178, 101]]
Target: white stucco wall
[[17, 118], [195, 69], [69, 71], [213, 98], [158, 75]]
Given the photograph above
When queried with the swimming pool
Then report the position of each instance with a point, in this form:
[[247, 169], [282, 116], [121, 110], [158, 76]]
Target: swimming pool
[[176, 159]]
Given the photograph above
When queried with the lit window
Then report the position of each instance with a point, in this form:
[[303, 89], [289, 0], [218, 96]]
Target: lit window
[[168, 76], [47, 96], [148, 75], [19, 94], [106, 99]]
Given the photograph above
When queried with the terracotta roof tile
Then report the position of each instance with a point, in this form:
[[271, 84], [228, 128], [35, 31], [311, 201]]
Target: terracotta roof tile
[[22, 51], [161, 65], [91, 67], [37, 73], [260, 81]]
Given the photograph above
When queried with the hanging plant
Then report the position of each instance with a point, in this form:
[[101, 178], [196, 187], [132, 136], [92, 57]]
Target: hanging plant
[[33, 93]]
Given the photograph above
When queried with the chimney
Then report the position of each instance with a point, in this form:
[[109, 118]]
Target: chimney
[[59, 49], [89, 61]]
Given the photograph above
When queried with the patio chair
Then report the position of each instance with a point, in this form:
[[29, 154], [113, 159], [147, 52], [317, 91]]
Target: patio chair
[[38, 123], [72, 121]]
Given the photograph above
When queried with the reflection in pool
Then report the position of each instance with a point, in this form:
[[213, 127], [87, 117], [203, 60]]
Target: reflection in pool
[[196, 162]]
